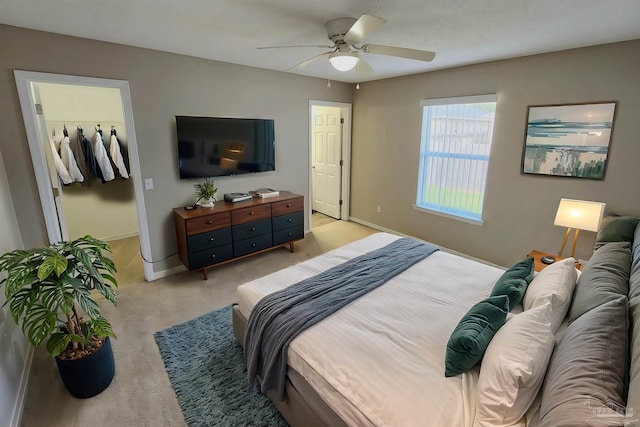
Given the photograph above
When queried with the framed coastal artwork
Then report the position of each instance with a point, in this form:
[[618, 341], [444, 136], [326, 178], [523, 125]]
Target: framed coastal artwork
[[568, 140]]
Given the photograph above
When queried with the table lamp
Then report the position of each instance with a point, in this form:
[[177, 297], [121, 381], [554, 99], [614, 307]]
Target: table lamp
[[578, 214]]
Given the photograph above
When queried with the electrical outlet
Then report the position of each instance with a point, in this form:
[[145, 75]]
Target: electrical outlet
[[148, 183], [378, 209]]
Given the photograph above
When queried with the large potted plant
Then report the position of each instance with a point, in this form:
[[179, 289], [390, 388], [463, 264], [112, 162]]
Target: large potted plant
[[50, 292]]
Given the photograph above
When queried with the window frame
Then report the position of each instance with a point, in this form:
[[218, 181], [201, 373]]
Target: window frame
[[423, 154]]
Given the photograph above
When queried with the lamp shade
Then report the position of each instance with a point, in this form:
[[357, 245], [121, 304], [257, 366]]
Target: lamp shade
[[580, 214], [343, 61]]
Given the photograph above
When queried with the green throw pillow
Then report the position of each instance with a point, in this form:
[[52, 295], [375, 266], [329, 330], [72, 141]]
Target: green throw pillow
[[616, 228], [513, 283], [471, 337]]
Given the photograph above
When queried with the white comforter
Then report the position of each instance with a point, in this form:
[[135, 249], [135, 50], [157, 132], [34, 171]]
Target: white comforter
[[380, 360]]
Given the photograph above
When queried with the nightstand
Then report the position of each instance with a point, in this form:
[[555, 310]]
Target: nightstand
[[539, 265]]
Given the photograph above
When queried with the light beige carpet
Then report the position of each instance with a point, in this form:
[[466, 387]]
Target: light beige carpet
[[318, 219], [140, 394]]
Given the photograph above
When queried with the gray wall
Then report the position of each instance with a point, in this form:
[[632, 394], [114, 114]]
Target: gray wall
[[13, 344], [519, 209], [162, 85]]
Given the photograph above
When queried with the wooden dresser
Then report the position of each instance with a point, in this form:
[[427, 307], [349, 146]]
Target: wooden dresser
[[230, 231]]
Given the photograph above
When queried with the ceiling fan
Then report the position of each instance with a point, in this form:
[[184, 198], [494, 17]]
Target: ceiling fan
[[346, 34]]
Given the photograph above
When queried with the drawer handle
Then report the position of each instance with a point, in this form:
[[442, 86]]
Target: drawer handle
[[209, 222], [211, 239], [288, 205], [289, 234], [251, 213], [289, 220], [253, 229], [253, 245], [213, 256]]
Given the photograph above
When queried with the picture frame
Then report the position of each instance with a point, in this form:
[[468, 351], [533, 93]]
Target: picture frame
[[568, 140]]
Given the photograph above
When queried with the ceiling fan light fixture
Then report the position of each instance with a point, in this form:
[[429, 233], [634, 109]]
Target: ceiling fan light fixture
[[343, 61]]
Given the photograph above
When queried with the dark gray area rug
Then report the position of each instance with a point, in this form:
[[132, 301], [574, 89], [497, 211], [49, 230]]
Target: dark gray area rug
[[207, 371]]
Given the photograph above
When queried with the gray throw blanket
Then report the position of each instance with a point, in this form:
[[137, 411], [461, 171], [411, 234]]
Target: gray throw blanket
[[279, 317]]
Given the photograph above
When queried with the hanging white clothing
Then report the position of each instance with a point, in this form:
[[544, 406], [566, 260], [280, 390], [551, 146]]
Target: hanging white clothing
[[103, 158], [57, 161], [69, 160], [116, 156]]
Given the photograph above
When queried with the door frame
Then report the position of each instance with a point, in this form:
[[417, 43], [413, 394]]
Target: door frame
[[57, 200], [40, 168], [345, 170]]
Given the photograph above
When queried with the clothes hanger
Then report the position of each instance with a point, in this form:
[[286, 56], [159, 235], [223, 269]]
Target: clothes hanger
[[64, 131], [113, 131], [98, 129]]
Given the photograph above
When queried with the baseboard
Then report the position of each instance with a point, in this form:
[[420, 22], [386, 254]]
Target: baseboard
[[377, 227], [120, 236], [155, 275], [451, 251], [18, 409]]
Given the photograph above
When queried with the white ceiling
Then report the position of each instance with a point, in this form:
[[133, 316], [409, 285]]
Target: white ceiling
[[459, 31]]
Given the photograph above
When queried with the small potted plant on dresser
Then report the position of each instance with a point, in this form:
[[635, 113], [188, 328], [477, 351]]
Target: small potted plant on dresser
[[49, 292], [206, 193]]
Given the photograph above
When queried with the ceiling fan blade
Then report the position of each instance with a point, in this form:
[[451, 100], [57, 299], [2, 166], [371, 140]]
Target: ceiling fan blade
[[281, 47], [308, 61], [401, 52], [363, 67], [365, 25]]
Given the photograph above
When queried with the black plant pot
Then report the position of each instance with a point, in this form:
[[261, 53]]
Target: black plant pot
[[90, 375]]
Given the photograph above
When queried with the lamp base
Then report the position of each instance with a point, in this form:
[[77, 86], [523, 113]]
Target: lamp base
[[564, 242]]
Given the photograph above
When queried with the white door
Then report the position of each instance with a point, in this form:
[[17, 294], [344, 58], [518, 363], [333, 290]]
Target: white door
[[326, 160], [56, 186]]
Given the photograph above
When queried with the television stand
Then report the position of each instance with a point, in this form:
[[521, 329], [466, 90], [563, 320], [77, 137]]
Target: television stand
[[227, 232]]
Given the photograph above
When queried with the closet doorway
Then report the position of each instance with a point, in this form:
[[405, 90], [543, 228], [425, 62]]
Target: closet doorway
[[109, 203], [330, 148]]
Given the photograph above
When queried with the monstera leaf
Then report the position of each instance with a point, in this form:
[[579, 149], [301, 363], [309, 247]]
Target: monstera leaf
[[49, 292]]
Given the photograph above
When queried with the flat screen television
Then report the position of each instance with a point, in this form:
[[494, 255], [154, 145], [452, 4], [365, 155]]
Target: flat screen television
[[220, 146]]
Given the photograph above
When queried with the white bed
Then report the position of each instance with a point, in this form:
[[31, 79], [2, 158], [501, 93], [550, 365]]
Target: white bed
[[365, 382]]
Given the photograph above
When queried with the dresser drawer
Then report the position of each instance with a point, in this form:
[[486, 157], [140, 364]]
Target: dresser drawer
[[288, 235], [205, 223], [211, 239], [251, 229], [288, 221], [250, 214], [210, 256], [287, 206], [244, 247]]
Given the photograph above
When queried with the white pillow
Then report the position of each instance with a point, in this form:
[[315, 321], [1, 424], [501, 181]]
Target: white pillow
[[513, 368], [554, 283]]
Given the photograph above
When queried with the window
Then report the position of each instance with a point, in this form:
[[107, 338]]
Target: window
[[454, 154]]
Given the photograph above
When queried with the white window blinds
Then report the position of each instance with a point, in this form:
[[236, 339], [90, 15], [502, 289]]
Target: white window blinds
[[454, 154]]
